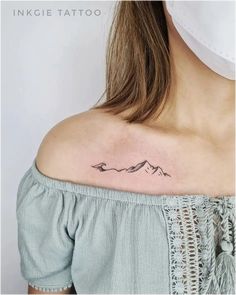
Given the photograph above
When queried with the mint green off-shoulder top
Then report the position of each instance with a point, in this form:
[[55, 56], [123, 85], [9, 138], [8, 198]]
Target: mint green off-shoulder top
[[111, 241]]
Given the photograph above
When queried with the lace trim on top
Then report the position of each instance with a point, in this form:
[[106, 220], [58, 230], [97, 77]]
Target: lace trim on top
[[192, 243]]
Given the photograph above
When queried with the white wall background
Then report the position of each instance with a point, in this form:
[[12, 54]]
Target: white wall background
[[52, 67]]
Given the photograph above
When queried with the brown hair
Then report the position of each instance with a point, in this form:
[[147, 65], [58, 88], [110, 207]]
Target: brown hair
[[137, 60]]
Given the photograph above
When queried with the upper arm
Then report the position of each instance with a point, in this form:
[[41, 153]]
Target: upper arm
[[45, 246], [44, 242]]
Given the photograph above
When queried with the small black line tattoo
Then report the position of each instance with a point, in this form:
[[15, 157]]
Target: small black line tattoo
[[145, 165]]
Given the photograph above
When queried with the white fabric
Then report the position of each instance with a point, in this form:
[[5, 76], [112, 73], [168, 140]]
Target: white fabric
[[208, 28]]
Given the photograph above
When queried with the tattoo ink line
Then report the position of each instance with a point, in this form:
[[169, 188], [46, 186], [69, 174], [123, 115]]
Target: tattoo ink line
[[145, 165]]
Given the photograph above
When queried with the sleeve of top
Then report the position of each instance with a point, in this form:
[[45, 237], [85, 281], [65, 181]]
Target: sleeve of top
[[44, 243]]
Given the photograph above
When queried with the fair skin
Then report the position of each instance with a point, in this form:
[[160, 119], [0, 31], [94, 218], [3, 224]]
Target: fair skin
[[31, 290], [192, 140]]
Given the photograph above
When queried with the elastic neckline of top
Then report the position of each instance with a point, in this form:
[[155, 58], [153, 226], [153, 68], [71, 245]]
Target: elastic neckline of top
[[122, 195]]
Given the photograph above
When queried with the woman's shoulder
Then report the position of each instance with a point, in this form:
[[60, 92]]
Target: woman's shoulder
[[69, 147]]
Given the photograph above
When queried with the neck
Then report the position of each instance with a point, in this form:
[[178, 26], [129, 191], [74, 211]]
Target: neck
[[200, 101]]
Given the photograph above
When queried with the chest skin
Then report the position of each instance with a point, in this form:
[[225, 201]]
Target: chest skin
[[194, 166]]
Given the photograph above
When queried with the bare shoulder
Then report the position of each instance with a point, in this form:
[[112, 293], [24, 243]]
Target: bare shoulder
[[78, 148], [73, 143]]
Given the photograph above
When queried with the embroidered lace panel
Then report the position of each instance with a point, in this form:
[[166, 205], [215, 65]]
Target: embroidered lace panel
[[189, 248]]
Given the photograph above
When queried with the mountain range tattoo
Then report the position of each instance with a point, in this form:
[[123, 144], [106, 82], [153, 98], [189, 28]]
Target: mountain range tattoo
[[145, 166]]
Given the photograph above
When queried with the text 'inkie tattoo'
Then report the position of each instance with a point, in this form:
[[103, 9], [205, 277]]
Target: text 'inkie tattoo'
[[143, 166]]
